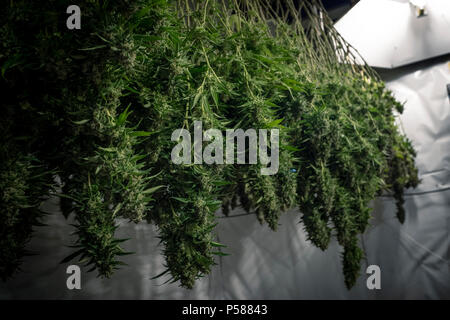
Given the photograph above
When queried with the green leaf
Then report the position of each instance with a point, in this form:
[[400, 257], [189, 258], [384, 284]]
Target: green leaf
[[11, 63], [181, 199], [274, 123], [215, 97], [94, 48], [125, 253], [289, 148], [144, 11], [160, 275], [141, 133], [220, 253], [222, 183], [152, 190], [132, 90], [197, 96], [216, 244], [123, 116], [71, 256], [81, 121]]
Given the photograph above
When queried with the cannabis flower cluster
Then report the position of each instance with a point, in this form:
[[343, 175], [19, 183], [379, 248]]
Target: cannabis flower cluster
[[90, 113]]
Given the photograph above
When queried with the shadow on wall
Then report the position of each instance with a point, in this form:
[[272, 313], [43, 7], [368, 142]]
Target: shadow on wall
[[263, 264]]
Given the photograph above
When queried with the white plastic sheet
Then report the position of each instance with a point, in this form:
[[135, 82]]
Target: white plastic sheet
[[388, 34], [414, 257]]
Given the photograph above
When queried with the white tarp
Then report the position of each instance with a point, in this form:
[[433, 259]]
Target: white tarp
[[388, 33], [414, 257]]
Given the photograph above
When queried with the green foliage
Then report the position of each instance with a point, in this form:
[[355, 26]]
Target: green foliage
[[97, 107], [23, 185]]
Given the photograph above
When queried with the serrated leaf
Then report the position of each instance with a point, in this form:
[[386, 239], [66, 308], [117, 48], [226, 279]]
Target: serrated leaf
[[72, 256]]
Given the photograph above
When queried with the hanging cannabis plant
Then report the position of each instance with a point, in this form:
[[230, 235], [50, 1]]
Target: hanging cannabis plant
[[94, 109]]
